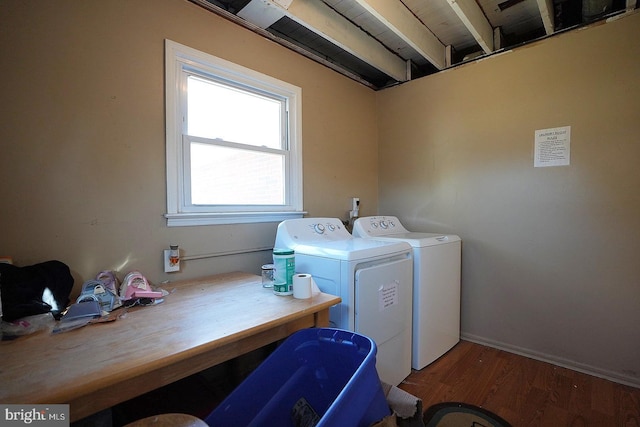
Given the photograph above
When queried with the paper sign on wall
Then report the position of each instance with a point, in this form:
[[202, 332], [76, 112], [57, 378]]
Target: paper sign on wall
[[552, 147], [388, 295]]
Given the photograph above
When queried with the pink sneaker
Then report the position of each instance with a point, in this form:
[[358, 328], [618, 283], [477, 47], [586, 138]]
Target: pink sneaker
[[135, 285]]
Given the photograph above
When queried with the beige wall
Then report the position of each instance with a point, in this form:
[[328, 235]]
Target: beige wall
[[550, 255], [83, 135], [550, 262]]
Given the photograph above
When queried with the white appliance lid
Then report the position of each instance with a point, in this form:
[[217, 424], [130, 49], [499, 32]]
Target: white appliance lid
[[419, 240], [327, 237], [389, 228], [353, 250]]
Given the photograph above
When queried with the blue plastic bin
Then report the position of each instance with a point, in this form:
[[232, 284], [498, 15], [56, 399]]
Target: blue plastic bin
[[318, 376]]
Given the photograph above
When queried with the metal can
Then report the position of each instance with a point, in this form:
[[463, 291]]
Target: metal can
[[284, 263]]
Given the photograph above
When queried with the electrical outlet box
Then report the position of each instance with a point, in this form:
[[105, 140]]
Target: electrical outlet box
[[355, 207], [170, 265]]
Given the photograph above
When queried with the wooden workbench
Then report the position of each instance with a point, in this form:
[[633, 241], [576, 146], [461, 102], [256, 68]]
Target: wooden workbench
[[203, 323]]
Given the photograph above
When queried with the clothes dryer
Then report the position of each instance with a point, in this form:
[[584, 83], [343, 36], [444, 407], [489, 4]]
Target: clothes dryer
[[373, 279], [436, 284]]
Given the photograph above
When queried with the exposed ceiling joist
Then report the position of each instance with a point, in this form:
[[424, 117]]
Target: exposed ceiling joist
[[546, 12], [498, 39], [324, 21], [206, 4], [380, 43], [473, 18], [394, 15]]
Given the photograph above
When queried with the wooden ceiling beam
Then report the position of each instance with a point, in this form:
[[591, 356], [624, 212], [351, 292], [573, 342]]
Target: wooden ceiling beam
[[394, 15], [547, 14], [473, 18], [321, 19]]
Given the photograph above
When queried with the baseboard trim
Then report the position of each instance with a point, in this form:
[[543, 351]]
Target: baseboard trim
[[554, 360]]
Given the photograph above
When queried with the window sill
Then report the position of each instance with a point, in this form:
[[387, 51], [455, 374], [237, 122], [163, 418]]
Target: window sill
[[191, 219]]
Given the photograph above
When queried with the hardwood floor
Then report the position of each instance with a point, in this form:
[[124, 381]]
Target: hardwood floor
[[523, 391]]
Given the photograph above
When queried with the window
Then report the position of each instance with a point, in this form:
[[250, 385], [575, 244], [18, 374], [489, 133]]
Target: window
[[233, 142]]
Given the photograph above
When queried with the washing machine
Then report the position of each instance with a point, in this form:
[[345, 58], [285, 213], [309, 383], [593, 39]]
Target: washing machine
[[373, 279], [436, 289]]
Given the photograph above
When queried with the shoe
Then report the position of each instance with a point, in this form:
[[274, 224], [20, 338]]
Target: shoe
[[96, 291], [110, 281], [135, 285]]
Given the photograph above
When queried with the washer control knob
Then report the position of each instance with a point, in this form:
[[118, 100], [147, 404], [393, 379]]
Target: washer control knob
[[374, 224], [384, 224], [318, 228], [331, 227]]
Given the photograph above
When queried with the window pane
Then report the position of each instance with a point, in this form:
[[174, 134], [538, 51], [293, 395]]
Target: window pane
[[217, 111], [229, 176]]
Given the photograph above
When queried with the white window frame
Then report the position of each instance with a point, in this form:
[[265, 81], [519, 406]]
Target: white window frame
[[179, 58]]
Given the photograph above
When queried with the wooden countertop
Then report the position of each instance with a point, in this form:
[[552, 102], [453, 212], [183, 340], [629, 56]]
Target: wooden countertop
[[203, 323]]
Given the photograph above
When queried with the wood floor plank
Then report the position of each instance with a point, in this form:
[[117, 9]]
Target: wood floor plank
[[553, 415], [580, 398], [602, 397], [524, 391], [628, 414]]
